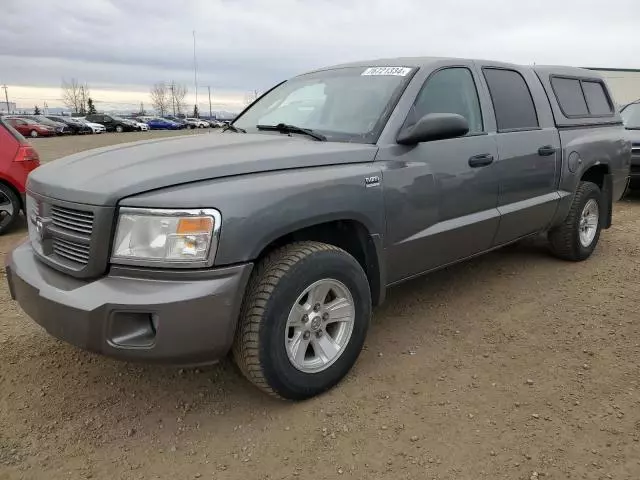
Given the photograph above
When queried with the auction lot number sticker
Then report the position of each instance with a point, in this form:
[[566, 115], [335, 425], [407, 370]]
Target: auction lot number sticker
[[395, 71]]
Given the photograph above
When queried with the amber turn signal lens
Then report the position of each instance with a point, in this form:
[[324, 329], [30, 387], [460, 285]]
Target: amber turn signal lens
[[195, 225]]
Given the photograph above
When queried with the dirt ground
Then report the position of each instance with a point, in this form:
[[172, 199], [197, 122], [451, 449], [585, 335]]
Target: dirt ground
[[56, 147], [512, 366]]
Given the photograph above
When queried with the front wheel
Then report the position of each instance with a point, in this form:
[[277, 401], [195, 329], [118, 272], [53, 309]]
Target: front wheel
[[33, 134], [576, 238], [119, 129], [304, 320], [9, 208]]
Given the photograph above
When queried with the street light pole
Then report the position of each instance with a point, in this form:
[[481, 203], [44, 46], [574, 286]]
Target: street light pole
[[195, 69], [6, 97], [210, 114]]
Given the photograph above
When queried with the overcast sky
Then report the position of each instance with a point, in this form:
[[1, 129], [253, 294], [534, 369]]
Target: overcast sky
[[121, 47]]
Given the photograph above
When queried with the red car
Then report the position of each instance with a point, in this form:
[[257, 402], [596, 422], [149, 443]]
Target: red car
[[31, 128], [17, 159]]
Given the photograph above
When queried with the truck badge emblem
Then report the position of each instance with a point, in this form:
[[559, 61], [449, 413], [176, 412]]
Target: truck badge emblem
[[372, 181], [40, 228]]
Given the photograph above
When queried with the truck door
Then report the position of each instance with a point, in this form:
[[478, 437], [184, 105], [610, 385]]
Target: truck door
[[441, 196], [528, 151]]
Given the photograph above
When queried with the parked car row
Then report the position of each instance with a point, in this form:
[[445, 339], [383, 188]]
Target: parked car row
[[113, 123], [50, 125]]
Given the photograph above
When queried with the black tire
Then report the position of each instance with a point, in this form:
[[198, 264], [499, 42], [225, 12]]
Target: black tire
[[10, 206], [119, 129], [33, 134], [564, 240], [277, 281]]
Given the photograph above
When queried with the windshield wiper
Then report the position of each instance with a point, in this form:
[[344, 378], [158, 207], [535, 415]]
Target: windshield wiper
[[233, 128], [285, 128]]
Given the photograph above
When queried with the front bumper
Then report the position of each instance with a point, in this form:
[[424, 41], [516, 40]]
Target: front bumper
[[183, 318]]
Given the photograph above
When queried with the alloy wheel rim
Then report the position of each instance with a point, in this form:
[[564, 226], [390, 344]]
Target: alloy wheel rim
[[6, 209], [589, 220], [319, 326]]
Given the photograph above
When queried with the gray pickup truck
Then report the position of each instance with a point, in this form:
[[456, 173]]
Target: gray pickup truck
[[274, 239]]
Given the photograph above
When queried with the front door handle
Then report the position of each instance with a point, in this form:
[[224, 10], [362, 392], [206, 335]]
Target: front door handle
[[546, 150], [481, 160]]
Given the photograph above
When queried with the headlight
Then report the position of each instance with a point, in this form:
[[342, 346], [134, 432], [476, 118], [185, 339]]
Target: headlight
[[172, 238]]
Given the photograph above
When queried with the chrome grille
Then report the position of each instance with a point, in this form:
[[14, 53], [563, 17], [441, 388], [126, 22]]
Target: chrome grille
[[76, 252], [76, 221]]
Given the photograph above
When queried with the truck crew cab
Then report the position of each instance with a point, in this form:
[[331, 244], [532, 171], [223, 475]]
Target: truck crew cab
[[275, 238]]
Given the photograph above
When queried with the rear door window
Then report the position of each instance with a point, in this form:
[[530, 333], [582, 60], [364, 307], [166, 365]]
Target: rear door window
[[512, 100]]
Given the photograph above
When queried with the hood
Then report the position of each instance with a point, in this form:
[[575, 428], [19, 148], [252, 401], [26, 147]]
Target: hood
[[106, 175]]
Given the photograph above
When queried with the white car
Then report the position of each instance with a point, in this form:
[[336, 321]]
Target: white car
[[196, 122], [143, 127], [95, 127]]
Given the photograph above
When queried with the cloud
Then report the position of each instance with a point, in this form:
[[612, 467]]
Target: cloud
[[251, 44]]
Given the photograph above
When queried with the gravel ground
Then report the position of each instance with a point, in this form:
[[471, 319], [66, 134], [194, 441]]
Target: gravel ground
[[511, 366]]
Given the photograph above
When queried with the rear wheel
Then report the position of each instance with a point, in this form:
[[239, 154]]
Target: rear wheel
[[577, 237], [9, 207], [33, 133], [304, 320]]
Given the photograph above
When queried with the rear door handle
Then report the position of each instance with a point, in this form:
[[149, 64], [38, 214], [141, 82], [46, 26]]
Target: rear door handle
[[481, 160], [546, 150]]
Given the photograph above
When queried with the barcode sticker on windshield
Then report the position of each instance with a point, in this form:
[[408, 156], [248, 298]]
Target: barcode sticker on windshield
[[396, 71]]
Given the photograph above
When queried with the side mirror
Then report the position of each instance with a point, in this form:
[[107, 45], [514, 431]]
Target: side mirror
[[434, 126]]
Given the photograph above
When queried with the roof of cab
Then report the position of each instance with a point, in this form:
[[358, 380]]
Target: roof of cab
[[407, 62], [544, 73]]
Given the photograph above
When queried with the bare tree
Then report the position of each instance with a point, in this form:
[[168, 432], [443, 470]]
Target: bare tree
[[71, 94], [160, 98], [178, 93], [75, 95]]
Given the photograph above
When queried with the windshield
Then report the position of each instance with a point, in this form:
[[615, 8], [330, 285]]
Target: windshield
[[631, 116], [346, 104]]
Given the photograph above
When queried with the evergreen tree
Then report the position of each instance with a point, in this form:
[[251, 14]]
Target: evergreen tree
[[36, 110], [91, 108]]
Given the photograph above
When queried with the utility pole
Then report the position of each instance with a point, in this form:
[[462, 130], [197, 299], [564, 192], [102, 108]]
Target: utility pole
[[173, 98], [83, 101], [6, 97], [195, 66], [210, 114], [46, 108]]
